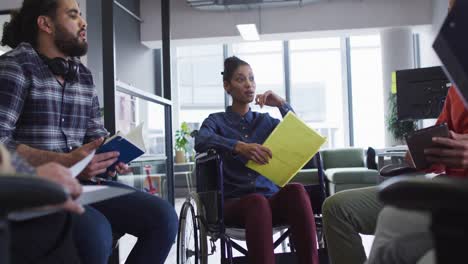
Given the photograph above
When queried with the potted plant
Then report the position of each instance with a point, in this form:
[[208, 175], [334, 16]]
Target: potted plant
[[181, 141], [398, 128]]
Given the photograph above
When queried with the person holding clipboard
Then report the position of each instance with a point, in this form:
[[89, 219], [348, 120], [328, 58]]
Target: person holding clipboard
[[251, 200]]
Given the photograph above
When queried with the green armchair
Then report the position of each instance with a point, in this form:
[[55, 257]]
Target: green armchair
[[349, 168]]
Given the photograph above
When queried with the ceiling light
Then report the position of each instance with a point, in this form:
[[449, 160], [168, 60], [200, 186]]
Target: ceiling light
[[248, 32]]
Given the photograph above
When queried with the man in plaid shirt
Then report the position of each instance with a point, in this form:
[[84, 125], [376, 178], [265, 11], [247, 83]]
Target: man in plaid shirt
[[49, 111]]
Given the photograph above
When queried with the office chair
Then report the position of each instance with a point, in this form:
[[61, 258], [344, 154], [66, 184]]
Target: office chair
[[446, 199], [22, 192]]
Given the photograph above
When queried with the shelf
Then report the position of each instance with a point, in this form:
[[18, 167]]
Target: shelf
[[129, 89]]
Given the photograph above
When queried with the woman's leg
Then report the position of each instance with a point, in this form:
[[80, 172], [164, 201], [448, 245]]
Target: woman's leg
[[151, 219], [253, 212], [291, 205]]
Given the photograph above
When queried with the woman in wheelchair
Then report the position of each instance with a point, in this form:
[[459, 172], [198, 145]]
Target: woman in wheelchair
[[251, 200]]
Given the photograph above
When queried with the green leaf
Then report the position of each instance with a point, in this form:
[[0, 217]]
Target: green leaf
[[181, 137], [398, 128]]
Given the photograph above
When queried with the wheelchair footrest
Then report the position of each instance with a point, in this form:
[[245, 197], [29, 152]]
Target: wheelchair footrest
[[281, 258]]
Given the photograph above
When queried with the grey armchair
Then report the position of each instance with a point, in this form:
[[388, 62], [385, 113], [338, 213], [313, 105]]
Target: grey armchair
[[21, 192]]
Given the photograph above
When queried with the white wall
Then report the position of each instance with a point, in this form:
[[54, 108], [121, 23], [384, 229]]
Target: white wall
[[439, 11], [13, 4], [428, 34], [188, 23], [426, 39], [10, 4]]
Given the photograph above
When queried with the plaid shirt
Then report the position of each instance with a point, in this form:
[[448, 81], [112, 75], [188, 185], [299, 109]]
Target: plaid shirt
[[22, 166], [36, 110]]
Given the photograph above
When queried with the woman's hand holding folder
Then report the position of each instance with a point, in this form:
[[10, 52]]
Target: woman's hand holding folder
[[255, 152]]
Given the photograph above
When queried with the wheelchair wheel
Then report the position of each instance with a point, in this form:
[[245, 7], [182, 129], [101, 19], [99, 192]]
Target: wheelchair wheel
[[192, 240]]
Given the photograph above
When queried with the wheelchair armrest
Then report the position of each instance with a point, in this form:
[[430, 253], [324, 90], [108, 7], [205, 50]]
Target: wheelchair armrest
[[21, 192], [440, 193], [203, 157], [209, 175], [396, 170]]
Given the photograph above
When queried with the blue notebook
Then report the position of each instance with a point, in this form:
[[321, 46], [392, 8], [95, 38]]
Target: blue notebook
[[130, 146]]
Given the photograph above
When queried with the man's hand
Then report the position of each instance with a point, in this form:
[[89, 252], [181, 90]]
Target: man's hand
[[453, 151], [120, 168], [269, 98], [82, 152], [123, 168], [254, 152], [59, 174], [99, 165]]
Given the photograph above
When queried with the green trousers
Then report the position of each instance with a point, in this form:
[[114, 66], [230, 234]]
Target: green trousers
[[346, 214]]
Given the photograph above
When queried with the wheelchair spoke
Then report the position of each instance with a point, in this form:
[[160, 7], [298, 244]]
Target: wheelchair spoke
[[192, 240]]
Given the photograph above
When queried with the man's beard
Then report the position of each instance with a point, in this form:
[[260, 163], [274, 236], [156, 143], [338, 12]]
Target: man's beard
[[68, 44]]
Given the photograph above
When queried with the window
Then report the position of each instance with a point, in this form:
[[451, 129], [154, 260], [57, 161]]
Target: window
[[266, 60], [317, 88], [317, 74], [132, 111], [367, 90], [3, 19], [200, 82]]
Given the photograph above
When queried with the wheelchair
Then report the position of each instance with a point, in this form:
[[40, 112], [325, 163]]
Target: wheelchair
[[201, 220]]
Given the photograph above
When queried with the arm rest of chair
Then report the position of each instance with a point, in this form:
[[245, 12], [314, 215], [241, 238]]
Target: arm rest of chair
[[20, 192], [207, 156], [209, 171], [396, 170], [439, 193]]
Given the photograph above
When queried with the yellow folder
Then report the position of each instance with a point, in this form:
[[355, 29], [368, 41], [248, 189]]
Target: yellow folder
[[293, 143]]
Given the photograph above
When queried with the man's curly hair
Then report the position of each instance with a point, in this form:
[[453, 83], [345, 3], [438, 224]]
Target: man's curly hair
[[23, 24]]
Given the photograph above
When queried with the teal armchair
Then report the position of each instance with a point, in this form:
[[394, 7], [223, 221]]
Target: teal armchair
[[348, 168]]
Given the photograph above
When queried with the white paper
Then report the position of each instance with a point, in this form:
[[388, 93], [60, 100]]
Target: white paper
[[97, 193], [136, 137], [79, 166], [92, 188], [91, 194]]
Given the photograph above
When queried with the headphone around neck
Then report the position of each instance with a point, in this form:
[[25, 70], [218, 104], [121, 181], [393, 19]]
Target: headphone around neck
[[68, 69]]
